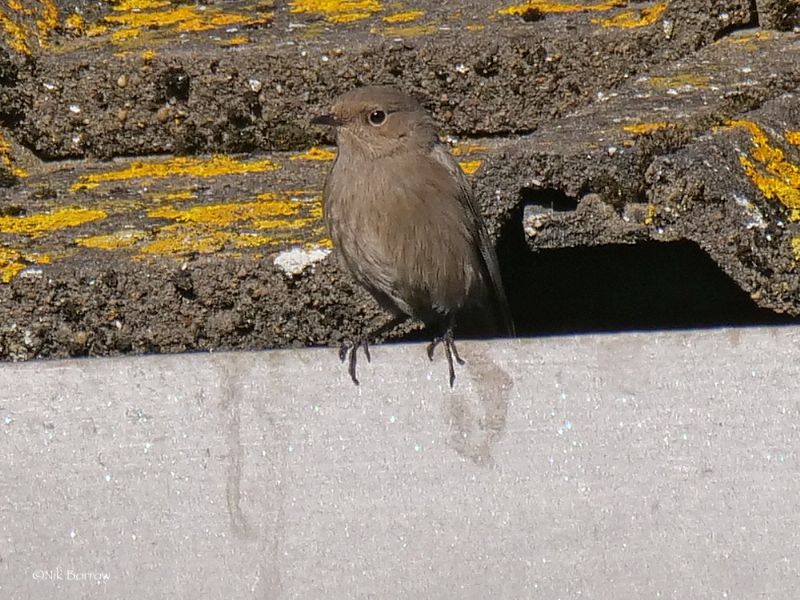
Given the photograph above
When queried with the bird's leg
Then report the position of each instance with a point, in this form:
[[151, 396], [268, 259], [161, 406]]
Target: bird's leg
[[450, 351], [363, 342]]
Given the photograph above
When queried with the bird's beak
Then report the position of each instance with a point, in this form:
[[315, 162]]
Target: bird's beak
[[326, 120]]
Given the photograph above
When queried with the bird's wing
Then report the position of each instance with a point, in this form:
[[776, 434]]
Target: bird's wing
[[490, 264]]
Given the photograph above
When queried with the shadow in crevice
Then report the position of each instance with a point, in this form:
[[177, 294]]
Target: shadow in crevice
[[547, 201], [753, 23], [646, 286]]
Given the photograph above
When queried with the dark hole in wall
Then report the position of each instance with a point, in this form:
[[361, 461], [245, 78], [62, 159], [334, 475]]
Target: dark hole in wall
[[652, 285], [546, 201]]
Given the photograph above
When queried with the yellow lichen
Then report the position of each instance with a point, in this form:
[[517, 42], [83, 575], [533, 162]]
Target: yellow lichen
[[113, 241], [6, 160], [404, 17], [236, 40], [11, 263], [139, 5], [47, 22], [132, 18], [178, 195], [96, 29], [678, 81], [559, 7], [408, 31], [226, 214], [793, 137], [177, 167], [177, 240], [17, 6], [749, 38], [467, 148], [274, 218], [796, 247], [470, 166], [650, 216], [16, 36], [631, 19], [315, 153], [40, 223], [768, 167], [75, 23], [337, 11], [643, 128]]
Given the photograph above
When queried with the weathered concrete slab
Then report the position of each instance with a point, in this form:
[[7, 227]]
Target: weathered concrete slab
[[641, 465], [582, 124], [236, 76]]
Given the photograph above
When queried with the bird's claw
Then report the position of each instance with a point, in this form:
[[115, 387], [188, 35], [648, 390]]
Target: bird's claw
[[351, 351], [450, 351]]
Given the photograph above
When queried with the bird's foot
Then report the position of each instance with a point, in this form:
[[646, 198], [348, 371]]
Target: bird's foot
[[450, 351], [350, 351]]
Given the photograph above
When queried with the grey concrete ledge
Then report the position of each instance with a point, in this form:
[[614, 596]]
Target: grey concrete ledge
[[619, 466]]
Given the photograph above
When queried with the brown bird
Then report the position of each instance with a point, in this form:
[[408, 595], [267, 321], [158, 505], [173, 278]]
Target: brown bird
[[404, 221]]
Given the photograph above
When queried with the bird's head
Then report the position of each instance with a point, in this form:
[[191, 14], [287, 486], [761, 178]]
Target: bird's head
[[379, 121]]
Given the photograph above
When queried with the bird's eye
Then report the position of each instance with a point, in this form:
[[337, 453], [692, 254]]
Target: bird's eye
[[377, 117]]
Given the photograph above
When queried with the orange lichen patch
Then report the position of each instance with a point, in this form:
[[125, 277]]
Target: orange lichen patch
[[474, 27], [41, 223], [75, 23], [650, 216], [16, 36], [315, 153], [95, 29], [275, 224], [149, 55], [750, 38], [273, 219], [644, 128], [133, 17], [470, 166], [21, 37], [17, 6], [47, 22], [237, 40], [679, 81], [559, 7], [141, 201], [13, 261], [315, 207], [631, 19], [767, 166], [313, 211], [796, 248], [177, 167], [337, 11], [793, 137], [6, 160], [464, 149], [404, 17], [227, 214], [409, 31], [178, 195], [113, 241], [126, 5], [180, 240]]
